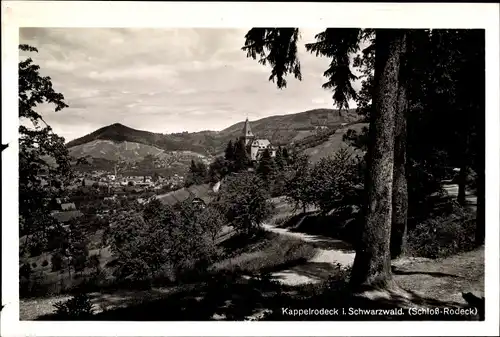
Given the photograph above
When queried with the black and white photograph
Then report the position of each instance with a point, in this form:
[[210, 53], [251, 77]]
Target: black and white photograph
[[263, 173]]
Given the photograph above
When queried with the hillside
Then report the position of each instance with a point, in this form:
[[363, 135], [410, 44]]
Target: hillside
[[126, 151], [114, 151], [120, 133], [279, 130], [333, 143], [284, 129]]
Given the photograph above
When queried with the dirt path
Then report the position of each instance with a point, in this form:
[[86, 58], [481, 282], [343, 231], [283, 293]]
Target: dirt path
[[470, 197], [321, 265], [443, 279]]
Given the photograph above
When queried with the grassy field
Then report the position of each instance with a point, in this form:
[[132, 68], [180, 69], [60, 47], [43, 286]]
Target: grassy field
[[269, 253], [333, 144]]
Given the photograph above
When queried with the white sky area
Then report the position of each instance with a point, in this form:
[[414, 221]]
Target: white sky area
[[166, 80]]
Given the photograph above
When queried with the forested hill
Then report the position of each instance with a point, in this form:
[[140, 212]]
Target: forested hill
[[280, 129], [120, 133]]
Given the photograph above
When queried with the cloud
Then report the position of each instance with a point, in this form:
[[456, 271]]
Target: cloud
[[165, 80]]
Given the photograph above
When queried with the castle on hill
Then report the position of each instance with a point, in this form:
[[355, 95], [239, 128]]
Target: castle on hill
[[256, 146]]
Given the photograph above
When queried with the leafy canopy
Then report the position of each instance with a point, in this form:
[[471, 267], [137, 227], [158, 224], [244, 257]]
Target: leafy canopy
[[40, 149]]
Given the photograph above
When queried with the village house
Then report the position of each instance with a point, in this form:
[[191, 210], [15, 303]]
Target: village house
[[65, 211], [70, 206]]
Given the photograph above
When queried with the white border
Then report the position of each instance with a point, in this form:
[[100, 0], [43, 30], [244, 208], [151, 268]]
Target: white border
[[17, 14]]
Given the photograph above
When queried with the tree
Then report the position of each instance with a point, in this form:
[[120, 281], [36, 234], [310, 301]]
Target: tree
[[298, 187], [285, 155], [266, 166], [366, 63], [241, 161], [466, 72], [44, 165], [400, 186], [447, 104], [78, 250], [161, 239], [218, 169], [197, 174], [335, 182], [191, 176], [229, 152], [372, 262], [202, 172], [278, 159], [244, 200], [56, 261], [211, 221]]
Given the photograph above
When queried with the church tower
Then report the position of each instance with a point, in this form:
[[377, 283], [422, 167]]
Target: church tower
[[247, 132]]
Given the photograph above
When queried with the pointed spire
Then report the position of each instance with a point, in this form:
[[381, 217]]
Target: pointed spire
[[247, 132]]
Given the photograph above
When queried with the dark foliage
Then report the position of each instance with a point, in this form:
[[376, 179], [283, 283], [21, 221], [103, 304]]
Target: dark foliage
[[337, 182], [244, 201], [444, 235], [44, 165], [76, 308]]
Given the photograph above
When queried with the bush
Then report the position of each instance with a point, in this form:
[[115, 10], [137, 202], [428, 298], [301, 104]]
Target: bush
[[45, 263], [57, 261], [443, 235], [78, 307], [34, 265]]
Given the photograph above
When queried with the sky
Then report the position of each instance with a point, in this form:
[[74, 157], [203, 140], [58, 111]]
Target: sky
[[166, 80]]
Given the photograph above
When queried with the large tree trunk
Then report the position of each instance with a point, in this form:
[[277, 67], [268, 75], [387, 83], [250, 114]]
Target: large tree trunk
[[481, 177], [400, 187], [372, 264]]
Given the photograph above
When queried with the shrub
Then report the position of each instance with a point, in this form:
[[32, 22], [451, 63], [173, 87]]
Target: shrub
[[57, 261], [45, 263], [338, 281], [77, 307], [34, 265], [443, 235]]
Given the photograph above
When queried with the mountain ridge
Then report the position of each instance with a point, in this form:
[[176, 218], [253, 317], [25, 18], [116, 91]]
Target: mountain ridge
[[279, 129]]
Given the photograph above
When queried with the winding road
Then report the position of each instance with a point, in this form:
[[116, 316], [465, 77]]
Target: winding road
[[330, 251]]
